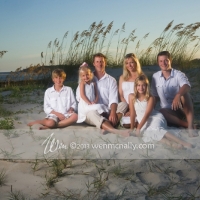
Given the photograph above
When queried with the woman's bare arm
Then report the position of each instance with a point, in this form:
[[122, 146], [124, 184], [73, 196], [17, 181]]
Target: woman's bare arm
[[131, 98], [121, 95]]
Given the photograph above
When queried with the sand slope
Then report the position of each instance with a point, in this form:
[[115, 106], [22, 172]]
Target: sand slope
[[95, 166]]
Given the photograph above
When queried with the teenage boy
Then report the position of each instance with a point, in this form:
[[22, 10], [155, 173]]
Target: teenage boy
[[172, 87]]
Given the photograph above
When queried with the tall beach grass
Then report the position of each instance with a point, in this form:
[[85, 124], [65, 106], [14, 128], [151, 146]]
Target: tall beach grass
[[179, 40], [68, 54], [2, 53]]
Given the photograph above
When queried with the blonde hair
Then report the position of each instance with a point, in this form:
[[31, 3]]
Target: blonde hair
[[59, 73], [145, 80], [126, 73], [85, 69]]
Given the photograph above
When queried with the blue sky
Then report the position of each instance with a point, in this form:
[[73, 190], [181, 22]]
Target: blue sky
[[27, 26]]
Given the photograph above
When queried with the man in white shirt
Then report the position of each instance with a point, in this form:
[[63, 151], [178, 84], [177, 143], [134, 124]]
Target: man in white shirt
[[172, 87], [108, 95]]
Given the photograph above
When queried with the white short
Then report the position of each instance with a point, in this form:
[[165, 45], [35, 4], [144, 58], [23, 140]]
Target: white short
[[125, 120], [55, 118]]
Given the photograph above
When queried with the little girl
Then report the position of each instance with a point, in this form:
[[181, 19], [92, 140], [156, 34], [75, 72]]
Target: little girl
[[150, 122], [88, 94]]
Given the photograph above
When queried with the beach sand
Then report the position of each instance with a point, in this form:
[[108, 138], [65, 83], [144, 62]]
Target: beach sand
[[84, 164]]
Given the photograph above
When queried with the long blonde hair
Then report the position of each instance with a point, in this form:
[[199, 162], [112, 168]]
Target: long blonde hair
[[145, 80], [84, 68], [126, 73]]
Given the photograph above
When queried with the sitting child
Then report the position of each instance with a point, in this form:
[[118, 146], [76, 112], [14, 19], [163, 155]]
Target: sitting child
[[88, 94], [59, 104]]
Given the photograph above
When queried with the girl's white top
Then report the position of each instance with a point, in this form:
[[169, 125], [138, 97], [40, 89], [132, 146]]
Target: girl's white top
[[155, 126], [84, 108]]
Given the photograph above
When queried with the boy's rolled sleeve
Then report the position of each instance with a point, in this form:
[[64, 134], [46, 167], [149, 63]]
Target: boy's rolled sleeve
[[47, 108], [72, 100], [153, 87], [182, 79]]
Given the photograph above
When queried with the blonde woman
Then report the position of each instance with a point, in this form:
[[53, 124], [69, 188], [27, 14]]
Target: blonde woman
[[131, 70]]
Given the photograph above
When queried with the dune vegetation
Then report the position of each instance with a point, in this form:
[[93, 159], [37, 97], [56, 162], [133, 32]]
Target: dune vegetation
[[113, 178], [67, 53], [2, 53], [179, 40]]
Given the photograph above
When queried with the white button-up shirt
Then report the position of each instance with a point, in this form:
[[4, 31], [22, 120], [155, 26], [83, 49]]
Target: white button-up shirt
[[166, 89], [107, 89], [59, 101]]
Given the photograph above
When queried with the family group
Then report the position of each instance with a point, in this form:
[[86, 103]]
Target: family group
[[98, 98]]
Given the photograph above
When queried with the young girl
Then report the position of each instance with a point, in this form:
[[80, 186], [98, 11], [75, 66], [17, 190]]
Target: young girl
[[150, 122], [88, 94]]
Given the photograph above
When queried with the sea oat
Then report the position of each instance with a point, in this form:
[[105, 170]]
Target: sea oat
[[168, 26]]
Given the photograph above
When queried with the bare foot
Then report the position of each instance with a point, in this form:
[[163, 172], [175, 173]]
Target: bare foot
[[43, 127], [31, 123], [34, 122], [193, 133], [135, 133], [103, 132], [124, 133], [176, 146], [188, 145]]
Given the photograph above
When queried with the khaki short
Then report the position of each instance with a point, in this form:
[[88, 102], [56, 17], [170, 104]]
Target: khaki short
[[95, 119]]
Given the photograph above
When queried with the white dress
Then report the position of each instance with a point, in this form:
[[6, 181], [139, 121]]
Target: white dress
[[156, 125], [84, 108], [127, 88]]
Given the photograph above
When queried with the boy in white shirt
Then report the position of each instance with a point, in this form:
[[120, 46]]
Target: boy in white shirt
[[172, 87], [59, 104]]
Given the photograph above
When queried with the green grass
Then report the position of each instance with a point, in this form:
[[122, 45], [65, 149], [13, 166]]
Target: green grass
[[2, 53], [6, 123], [21, 87], [17, 195], [4, 112], [50, 180], [2, 177]]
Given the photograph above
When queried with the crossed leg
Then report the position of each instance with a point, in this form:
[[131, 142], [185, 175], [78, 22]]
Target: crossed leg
[[95, 119], [46, 123], [50, 123]]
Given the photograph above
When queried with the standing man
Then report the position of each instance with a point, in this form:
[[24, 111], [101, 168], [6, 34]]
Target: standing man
[[172, 88], [108, 95]]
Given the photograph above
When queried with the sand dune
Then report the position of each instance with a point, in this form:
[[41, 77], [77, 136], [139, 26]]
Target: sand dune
[[89, 165]]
